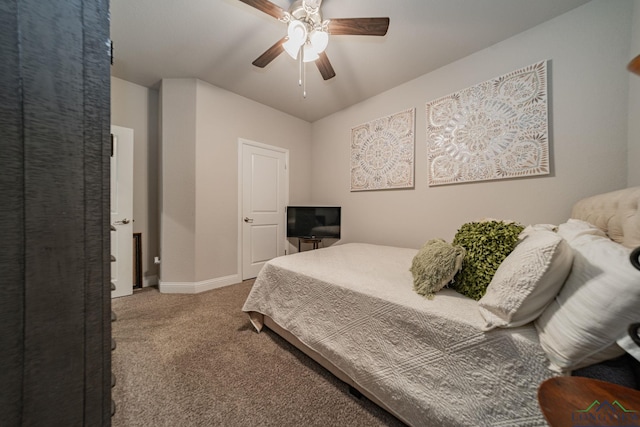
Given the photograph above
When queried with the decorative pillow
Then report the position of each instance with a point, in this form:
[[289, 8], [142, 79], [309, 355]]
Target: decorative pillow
[[487, 244], [528, 279], [434, 266], [598, 301], [574, 228]]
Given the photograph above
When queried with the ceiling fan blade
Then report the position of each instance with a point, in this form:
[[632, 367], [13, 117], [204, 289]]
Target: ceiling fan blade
[[359, 26], [270, 54], [325, 67], [267, 7]]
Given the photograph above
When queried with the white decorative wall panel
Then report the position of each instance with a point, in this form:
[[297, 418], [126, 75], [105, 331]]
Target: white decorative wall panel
[[382, 153], [493, 130]]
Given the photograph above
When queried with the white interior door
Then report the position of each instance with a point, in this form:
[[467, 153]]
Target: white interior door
[[122, 211], [264, 187]]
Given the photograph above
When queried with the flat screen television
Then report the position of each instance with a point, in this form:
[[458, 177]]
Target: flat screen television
[[313, 222]]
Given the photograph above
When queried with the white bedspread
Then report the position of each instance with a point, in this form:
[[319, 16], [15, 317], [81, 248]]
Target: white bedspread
[[427, 360]]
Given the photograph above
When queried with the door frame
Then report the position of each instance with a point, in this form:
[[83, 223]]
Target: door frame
[[242, 142]]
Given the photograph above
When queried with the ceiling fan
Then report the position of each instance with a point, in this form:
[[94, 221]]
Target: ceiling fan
[[308, 35]]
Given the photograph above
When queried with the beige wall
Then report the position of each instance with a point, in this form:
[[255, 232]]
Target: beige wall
[[177, 180], [222, 118], [201, 125], [136, 107], [634, 103], [588, 49]]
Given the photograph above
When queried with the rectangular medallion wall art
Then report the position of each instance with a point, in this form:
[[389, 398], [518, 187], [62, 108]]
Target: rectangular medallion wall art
[[494, 130], [382, 153]]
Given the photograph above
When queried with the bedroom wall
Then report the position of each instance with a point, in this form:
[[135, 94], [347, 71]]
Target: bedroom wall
[[222, 118], [136, 107], [201, 125], [177, 180], [634, 103], [588, 49]]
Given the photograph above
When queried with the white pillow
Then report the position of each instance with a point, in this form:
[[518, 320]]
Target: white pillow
[[598, 301], [527, 280], [574, 228]]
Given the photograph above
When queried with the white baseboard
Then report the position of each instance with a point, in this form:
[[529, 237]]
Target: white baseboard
[[197, 287]]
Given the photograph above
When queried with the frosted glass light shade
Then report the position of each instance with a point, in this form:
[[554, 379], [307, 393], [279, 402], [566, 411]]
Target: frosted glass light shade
[[310, 53], [292, 48], [297, 32], [319, 39]]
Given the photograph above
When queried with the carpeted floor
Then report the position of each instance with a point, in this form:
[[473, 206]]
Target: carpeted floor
[[195, 360]]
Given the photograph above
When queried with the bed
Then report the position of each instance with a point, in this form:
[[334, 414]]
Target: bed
[[353, 309]]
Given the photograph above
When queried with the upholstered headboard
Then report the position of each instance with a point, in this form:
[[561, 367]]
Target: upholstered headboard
[[617, 213]]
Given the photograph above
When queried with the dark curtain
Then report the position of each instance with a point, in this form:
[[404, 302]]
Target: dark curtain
[[55, 330]]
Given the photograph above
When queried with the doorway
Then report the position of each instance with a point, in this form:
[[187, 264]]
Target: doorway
[[263, 178]]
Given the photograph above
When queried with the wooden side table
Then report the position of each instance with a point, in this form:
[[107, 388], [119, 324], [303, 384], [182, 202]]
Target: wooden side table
[[585, 402]]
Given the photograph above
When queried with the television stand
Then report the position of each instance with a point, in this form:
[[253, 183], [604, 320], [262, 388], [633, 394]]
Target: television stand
[[313, 240]]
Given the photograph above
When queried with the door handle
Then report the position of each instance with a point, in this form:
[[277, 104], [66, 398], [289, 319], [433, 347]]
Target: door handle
[[123, 221], [248, 220]]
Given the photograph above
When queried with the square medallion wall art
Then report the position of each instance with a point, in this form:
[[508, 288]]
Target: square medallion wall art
[[494, 130], [382, 153]]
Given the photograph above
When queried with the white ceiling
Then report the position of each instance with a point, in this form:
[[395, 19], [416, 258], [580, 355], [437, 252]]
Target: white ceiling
[[216, 41]]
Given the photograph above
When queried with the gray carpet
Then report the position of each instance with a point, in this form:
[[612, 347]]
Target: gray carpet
[[195, 360]]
